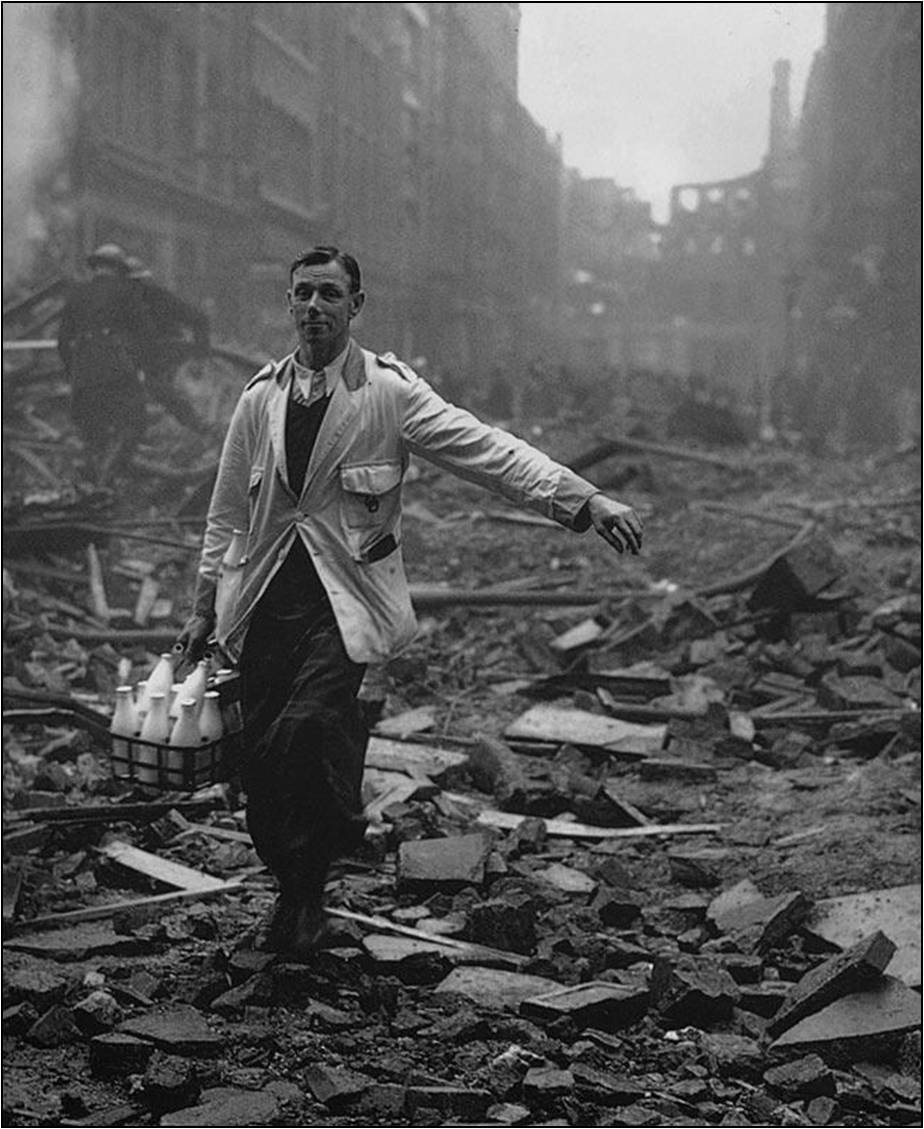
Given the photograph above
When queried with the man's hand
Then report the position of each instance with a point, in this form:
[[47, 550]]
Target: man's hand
[[618, 524], [194, 636]]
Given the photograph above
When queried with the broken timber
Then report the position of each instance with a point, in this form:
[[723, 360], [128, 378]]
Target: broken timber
[[162, 870], [96, 913], [508, 821], [608, 447], [478, 953]]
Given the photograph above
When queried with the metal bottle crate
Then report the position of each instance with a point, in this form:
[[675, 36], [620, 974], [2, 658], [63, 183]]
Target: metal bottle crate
[[178, 769], [172, 768]]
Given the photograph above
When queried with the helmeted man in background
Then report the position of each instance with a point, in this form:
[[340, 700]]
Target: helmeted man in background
[[301, 575], [177, 332], [102, 325]]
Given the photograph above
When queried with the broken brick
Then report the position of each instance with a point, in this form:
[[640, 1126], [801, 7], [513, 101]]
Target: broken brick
[[697, 868], [603, 1088], [429, 865], [822, 1111], [547, 1083], [336, 1088], [495, 769], [673, 768], [34, 984], [170, 1083], [118, 1055], [759, 925], [97, 1013], [745, 968], [839, 975], [55, 1028], [494, 987], [258, 990], [800, 574], [605, 1006], [692, 991], [566, 879], [804, 1078], [734, 1056], [18, 1018], [617, 908], [242, 1109], [856, 693], [764, 999], [181, 1030], [508, 924], [455, 1101], [413, 961]]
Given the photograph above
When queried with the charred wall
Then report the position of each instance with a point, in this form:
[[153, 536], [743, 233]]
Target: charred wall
[[859, 298]]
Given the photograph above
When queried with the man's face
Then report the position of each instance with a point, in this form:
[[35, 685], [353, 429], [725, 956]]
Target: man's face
[[322, 307]]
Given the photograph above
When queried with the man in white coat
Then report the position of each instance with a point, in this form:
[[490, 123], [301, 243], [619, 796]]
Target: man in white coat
[[302, 579]]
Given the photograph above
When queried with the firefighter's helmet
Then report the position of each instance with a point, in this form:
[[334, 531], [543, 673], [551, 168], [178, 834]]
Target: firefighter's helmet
[[109, 255]]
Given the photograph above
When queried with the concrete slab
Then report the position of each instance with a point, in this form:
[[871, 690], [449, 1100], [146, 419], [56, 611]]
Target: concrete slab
[[580, 727], [896, 911], [494, 987], [428, 865], [566, 878], [853, 1021]]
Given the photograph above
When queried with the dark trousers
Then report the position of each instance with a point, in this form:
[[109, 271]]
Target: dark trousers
[[304, 740]]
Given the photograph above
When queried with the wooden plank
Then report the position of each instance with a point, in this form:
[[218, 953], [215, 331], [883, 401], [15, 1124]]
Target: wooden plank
[[507, 821], [97, 586], [565, 829], [226, 833], [163, 870], [397, 793], [410, 721], [147, 596], [411, 758], [476, 952], [97, 913], [579, 727], [105, 813], [12, 884]]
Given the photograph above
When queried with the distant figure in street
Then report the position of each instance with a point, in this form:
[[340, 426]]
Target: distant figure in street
[[177, 332], [101, 326]]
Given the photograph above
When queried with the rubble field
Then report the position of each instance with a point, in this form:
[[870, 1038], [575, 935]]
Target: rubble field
[[648, 857]]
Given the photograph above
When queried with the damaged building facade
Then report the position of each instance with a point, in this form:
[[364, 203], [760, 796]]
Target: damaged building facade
[[857, 291], [215, 140], [701, 298]]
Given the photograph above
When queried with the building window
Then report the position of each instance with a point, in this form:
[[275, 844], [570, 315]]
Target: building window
[[131, 77], [285, 157]]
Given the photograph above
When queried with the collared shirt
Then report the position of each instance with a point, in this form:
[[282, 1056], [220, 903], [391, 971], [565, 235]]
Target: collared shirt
[[302, 384]]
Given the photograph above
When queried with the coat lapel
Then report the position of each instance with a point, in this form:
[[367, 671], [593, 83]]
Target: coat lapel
[[277, 418], [344, 404]]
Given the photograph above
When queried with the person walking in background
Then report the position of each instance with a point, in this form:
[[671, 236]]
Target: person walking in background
[[177, 332], [102, 326]]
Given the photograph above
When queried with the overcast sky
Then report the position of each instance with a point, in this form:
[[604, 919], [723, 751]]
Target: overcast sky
[[658, 94]]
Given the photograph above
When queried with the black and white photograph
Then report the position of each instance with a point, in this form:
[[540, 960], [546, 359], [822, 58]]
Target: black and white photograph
[[461, 550]]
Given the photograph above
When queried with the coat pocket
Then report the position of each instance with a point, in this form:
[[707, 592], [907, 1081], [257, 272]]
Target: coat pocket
[[369, 494], [370, 499]]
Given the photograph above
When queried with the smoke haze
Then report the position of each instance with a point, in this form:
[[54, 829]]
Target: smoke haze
[[39, 100]]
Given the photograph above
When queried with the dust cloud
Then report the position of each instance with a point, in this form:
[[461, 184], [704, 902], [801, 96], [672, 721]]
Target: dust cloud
[[40, 90]]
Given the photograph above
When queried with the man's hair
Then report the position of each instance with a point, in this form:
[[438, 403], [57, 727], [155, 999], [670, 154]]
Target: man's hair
[[320, 255]]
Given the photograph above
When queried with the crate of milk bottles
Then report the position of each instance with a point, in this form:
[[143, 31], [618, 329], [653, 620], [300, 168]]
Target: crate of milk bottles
[[178, 736]]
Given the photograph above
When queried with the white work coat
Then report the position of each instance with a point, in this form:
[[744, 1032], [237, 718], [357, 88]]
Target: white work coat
[[379, 413]]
